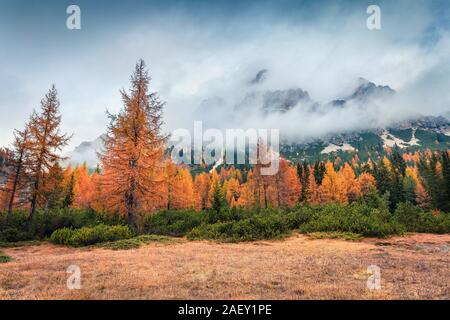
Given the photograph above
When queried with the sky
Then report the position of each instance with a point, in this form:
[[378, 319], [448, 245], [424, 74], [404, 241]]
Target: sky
[[200, 50]]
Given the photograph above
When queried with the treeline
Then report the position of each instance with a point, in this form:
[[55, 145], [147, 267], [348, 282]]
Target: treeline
[[136, 176]]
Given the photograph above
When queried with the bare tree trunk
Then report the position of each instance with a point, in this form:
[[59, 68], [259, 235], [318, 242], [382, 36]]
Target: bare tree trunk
[[265, 195], [33, 203], [14, 189], [131, 204]]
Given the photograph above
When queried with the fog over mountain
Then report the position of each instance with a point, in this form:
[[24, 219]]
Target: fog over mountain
[[303, 122], [290, 65]]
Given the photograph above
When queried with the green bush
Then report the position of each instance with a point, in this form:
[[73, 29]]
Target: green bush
[[90, 235], [173, 223], [45, 222], [62, 236], [414, 219], [4, 258], [14, 235], [254, 228], [356, 218]]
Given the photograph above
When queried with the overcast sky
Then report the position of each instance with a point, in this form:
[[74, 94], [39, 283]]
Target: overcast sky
[[199, 50]]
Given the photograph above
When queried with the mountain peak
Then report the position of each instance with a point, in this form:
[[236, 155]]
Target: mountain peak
[[366, 89], [259, 77]]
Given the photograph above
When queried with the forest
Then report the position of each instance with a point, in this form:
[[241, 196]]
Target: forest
[[137, 190]]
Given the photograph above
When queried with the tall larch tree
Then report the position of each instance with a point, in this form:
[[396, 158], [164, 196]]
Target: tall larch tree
[[84, 188], [352, 188], [202, 184], [313, 195], [132, 161], [17, 180], [46, 143], [288, 185], [332, 189]]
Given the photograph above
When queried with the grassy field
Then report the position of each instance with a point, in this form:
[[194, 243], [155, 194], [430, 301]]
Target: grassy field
[[300, 267]]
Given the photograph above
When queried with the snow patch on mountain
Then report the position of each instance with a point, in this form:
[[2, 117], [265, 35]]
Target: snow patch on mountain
[[389, 140], [335, 148]]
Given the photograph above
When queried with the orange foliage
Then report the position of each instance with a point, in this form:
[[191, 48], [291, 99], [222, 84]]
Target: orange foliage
[[333, 188]]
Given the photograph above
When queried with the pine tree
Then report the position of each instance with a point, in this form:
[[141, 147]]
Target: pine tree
[[69, 192], [433, 179], [303, 175], [445, 163], [218, 202], [319, 172]]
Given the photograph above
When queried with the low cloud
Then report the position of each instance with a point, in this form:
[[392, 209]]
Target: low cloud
[[205, 67]]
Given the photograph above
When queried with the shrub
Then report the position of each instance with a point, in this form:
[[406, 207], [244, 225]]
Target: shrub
[[62, 236], [414, 219], [14, 235], [46, 222], [4, 258], [173, 223], [254, 228], [90, 235], [356, 218]]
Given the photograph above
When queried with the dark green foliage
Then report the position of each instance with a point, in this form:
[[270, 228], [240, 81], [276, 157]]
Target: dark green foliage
[[319, 171], [69, 193], [90, 235], [4, 258], [303, 176], [393, 181], [437, 183], [409, 190], [14, 235], [373, 200], [172, 223], [219, 202], [356, 218], [404, 134], [432, 140], [46, 222], [254, 228], [414, 219]]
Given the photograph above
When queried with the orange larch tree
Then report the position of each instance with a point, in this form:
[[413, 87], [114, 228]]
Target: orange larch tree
[[132, 161], [313, 196], [287, 184], [202, 184], [233, 191], [351, 185], [332, 189], [46, 143], [84, 189], [366, 182]]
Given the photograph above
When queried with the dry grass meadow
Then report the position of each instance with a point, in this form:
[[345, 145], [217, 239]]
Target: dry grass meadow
[[412, 267]]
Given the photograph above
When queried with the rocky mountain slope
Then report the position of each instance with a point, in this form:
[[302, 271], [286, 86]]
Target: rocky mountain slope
[[418, 133]]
